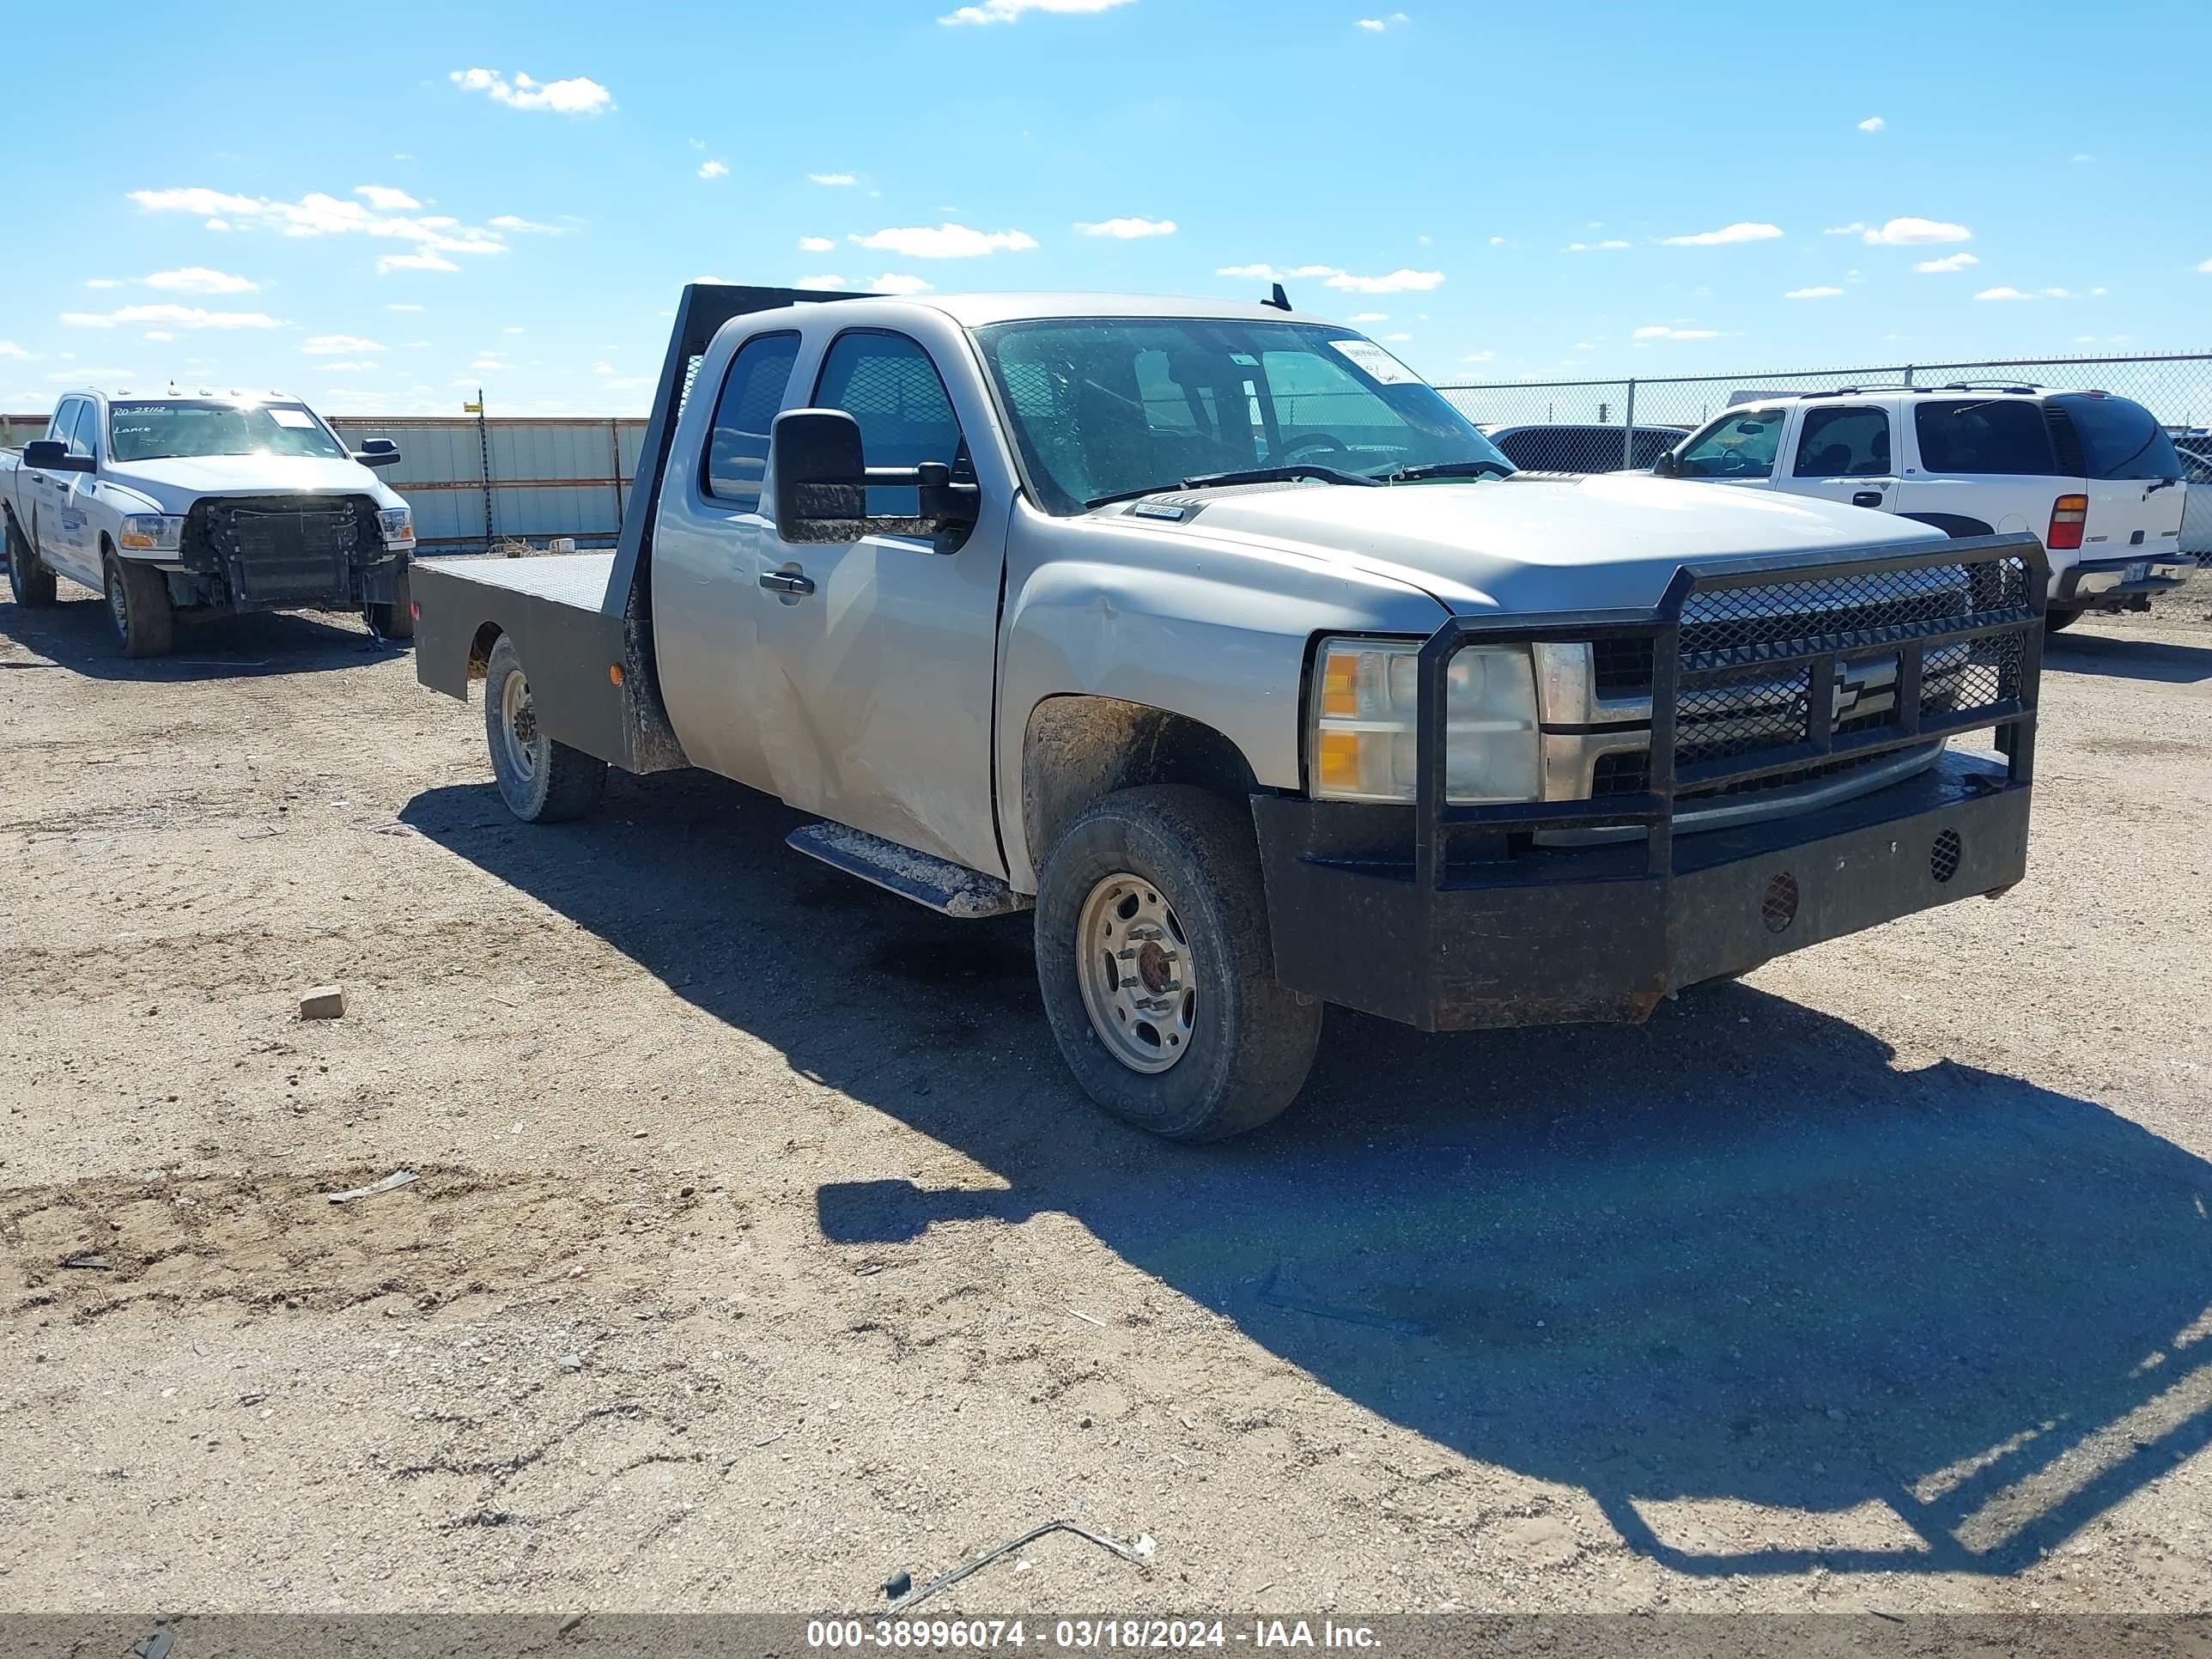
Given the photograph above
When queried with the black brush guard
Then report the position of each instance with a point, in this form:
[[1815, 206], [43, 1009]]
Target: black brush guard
[[1449, 916]]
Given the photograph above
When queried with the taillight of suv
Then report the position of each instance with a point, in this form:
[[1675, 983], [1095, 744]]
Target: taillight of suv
[[2068, 515]]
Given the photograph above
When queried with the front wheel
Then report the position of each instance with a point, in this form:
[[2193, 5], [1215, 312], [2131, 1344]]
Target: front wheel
[[138, 604], [395, 619], [542, 781], [2057, 620], [1157, 970], [28, 579]]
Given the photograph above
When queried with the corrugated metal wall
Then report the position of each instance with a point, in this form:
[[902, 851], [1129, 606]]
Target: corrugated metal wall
[[472, 484]]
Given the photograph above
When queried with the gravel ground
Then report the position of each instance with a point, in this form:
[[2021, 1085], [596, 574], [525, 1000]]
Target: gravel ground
[[761, 1248]]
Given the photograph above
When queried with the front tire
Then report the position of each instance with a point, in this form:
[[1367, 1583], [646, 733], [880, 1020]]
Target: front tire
[[394, 620], [28, 579], [138, 604], [542, 781], [1157, 970], [2055, 621]]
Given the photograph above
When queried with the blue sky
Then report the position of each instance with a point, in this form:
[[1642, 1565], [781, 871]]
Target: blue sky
[[382, 206]]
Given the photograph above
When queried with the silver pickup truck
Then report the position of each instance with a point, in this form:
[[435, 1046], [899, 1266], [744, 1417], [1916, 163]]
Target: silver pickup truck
[[1216, 636]]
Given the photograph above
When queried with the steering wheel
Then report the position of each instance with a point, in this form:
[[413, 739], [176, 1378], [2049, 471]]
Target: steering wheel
[[1293, 447]]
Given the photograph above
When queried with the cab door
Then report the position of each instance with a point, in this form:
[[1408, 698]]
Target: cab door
[[1846, 452], [49, 495], [77, 532], [1741, 448], [873, 676]]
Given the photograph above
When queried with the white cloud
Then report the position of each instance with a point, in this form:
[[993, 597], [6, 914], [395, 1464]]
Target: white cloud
[[522, 227], [512, 329], [1916, 233], [831, 283], [10, 348], [1372, 317], [835, 180], [335, 368], [1401, 281], [403, 307], [318, 214], [1873, 124], [1660, 331], [1949, 262], [893, 281], [1813, 293], [385, 199], [815, 245], [1478, 356], [2006, 292], [945, 242], [2205, 269], [1010, 11], [218, 224], [1745, 230], [161, 336], [331, 345], [1376, 25], [174, 316], [577, 96], [1850, 229], [712, 170], [198, 279], [1498, 241], [1610, 244], [1397, 339], [1129, 229]]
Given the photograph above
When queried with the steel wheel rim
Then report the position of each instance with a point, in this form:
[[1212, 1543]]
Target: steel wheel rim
[[119, 605], [1139, 982], [518, 726]]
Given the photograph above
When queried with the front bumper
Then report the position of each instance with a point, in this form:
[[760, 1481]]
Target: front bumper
[[2112, 582], [1581, 934], [1450, 916]]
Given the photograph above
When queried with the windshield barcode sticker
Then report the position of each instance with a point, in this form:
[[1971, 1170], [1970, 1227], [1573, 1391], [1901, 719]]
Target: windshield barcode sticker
[[294, 417], [1378, 363]]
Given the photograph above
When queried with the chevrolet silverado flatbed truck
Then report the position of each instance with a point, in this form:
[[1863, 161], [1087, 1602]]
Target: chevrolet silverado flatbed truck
[[1217, 637]]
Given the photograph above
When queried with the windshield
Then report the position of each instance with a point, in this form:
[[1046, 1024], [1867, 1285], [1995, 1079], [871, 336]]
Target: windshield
[[148, 431], [1103, 406]]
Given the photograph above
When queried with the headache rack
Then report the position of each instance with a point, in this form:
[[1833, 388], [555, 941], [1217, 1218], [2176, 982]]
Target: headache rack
[[1800, 621]]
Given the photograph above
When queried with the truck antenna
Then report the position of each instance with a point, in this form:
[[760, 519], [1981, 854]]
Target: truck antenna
[[1280, 300]]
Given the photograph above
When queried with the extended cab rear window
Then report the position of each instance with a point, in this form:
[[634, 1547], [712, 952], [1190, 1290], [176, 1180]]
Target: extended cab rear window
[[2001, 435], [2120, 439]]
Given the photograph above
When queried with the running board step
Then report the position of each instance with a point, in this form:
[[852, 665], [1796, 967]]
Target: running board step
[[949, 889]]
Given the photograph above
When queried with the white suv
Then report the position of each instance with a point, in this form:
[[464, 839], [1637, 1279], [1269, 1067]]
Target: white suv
[[2095, 476]]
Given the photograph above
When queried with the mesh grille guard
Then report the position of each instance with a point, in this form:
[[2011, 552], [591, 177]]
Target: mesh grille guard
[[1727, 623]]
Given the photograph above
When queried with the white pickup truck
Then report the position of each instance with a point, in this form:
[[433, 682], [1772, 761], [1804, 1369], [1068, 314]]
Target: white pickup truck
[[227, 504], [2093, 475], [1215, 634]]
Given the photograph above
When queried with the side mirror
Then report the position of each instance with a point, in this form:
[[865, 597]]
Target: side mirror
[[822, 482], [378, 452], [821, 476], [53, 455], [1665, 466]]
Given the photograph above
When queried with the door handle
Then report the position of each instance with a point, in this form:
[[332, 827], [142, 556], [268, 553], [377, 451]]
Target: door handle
[[1866, 498], [786, 582]]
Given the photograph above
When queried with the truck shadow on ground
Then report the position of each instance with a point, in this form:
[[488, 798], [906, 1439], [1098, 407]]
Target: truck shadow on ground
[[2128, 659], [1773, 1302], [77, 638]]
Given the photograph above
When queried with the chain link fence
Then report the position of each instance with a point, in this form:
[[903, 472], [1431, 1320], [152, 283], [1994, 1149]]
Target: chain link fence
[[1603, 426]]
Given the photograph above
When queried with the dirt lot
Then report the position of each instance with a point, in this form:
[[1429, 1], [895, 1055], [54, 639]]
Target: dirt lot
[[761, 1248]]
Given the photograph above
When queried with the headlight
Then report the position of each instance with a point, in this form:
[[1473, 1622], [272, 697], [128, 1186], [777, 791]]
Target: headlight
[[397, 524], [152, 533], [1363, 702]]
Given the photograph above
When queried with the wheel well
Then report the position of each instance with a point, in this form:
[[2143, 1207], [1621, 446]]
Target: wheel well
[[1951, 523], [480, 649], [1078, 749]]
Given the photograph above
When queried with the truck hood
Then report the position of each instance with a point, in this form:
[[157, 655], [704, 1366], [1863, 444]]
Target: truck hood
[[177, 481], [1611, 539]]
